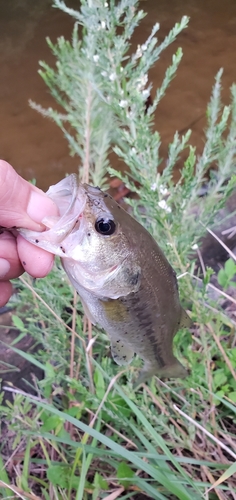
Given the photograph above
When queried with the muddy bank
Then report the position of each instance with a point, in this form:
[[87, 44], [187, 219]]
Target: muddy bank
[[15, 371]]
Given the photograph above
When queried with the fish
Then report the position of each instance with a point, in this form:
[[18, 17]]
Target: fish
[[125, 282]]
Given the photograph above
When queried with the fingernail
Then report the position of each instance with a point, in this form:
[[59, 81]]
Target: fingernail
[[4, 267], [39, 206]]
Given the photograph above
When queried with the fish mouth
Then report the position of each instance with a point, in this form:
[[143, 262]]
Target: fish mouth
[[70, 199], [93, 190]]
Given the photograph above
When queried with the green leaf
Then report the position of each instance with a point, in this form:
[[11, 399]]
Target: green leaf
[[58, 475], [219, 379], [51, 423], [226, 475], [18, 323], [119, 403], [232, 396], [230, 268], [219, 394], [6, 492], [100, 482], [99, 383], [124, 474], [49, 370], [222, 278]]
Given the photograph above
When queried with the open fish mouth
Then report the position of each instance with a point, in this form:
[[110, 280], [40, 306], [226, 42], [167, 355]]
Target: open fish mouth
[[70, 199]]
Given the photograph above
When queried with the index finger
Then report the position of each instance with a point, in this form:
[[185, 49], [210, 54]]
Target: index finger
[[21, 203]]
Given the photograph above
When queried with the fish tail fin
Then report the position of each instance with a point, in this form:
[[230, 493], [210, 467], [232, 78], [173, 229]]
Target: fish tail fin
[[175, 370]]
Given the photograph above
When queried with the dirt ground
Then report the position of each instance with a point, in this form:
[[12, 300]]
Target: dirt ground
[[35, 146]]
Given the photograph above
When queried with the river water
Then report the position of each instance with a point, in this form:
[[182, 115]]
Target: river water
[[35, 146]]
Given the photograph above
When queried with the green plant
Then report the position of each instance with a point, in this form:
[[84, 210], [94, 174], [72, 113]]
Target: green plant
[[226, 275]]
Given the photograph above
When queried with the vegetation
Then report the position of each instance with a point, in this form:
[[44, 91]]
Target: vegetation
[[87, 434]]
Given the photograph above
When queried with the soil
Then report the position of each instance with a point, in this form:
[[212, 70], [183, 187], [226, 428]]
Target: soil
[[14, 369]]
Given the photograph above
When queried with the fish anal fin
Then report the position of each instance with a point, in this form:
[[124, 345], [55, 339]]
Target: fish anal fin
[[121, 353]]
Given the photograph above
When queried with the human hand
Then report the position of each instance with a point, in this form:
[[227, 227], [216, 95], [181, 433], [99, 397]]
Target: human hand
[[21, 205]]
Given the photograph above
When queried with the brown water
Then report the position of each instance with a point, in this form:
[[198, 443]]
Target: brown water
[[35, 146]]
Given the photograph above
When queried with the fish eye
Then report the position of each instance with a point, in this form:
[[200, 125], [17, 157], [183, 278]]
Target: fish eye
[[105, 226]]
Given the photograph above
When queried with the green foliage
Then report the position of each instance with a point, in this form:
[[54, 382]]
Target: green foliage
[[124, 474], [89, 433], [226, 275], [5, 480], [173, 212], [95, 81], [103, 88], [60, 475], [224, 382]]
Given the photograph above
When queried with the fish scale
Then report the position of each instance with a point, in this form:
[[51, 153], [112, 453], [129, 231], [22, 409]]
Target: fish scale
[[124, 280]]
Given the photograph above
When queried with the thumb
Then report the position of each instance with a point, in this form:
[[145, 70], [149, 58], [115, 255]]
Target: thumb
[[21, 203]]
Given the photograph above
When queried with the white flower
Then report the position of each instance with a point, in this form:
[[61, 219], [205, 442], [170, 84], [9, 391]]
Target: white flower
[[144, 47], [123, 103], [163, 190], [103, 25], [138, 52], [112, 77], [163, 204], [145, 93], [106, 4], [104, 73], [141, 82], [195, 246], [96, 58]]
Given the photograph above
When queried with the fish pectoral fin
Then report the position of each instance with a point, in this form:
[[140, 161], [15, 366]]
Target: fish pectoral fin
[[121, 353], [175, 370], [132, 277], [88, 313], [185, 320]]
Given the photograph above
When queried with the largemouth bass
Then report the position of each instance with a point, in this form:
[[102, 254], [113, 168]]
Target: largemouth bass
[[124, 280]]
